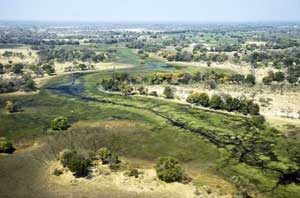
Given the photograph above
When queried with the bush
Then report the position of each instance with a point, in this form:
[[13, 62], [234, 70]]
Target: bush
[[168, 92], [169, 170], [267, 80], [65, 156], [153, 93], [107, 157], [216, 102], [258, 121], [253, 108], [11, 107], [279, 76], [59, 123], [132, 173], [77, 163], [250, 79], [193, 98], [126, 88], [6, 146], [198, 98]]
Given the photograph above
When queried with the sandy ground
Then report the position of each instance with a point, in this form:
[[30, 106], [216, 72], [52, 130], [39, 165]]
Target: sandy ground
[[146, 184], [278, 105], [28, 59]]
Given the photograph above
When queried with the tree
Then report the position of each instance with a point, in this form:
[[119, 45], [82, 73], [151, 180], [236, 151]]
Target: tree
[[279, 76], [168, 92], [11, 107], [29, 85], [193, 98], [142, 90], [18, 68], [253, 108], [168, 169], [59, 123], [107, 156], [49, 69], [126, 88], [77, 163], [216, 102], [258, 121]]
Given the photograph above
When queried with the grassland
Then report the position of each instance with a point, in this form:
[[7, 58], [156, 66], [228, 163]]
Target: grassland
[[139, 129]]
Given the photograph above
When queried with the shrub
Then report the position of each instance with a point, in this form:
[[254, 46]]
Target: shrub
[[6, 146], [258, 121], [279, 76], [126, 88], [65, 156], [11, 107], [77, 163], [169, 170], [198, 98], [168, 92], [142, 90], [193, 98], [132, 173], [253, 108], [59, 123], [250, 79], [153, 93], [267, 80], [216, 102], [107, 157]]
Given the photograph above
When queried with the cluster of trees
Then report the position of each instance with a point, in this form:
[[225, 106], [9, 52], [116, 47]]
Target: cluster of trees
[[227, 103], [13, 54], [197, 57], [63, 55], [279, 58], [186, 78], [78, 162], [119, 82], [147, 47], [25, 83], [277, 76]]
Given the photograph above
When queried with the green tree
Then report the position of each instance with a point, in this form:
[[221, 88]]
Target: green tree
[[168, 169], [59, 123], [126, 88], [279, 76], [77, 163], [216, 102]]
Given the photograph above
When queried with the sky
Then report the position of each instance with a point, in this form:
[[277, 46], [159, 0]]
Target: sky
[[151, 10]]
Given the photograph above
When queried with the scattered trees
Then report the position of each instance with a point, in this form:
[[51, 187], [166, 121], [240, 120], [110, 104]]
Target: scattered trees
[[224, 103]]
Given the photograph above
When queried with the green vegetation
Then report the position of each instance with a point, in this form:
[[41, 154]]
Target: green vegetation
[[76, 162], [59, 123], [168, 92], [6, 146], [168, 169]]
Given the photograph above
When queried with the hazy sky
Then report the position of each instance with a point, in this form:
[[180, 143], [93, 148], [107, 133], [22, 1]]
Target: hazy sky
[[151, 10]]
